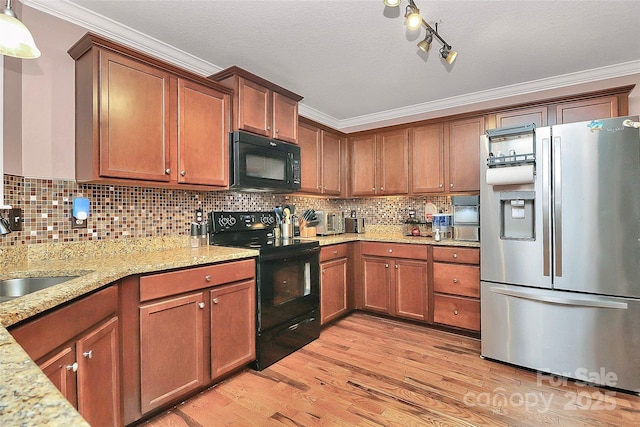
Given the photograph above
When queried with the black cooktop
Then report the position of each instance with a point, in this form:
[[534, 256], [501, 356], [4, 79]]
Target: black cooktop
[[253, 230]]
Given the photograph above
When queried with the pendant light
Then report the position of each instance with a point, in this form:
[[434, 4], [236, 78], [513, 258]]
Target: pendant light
[[15, 38]]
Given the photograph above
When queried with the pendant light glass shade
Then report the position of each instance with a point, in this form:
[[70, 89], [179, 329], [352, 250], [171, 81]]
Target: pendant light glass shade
[[15, 38]]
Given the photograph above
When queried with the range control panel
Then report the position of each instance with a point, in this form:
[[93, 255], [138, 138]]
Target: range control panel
[[238, 221]]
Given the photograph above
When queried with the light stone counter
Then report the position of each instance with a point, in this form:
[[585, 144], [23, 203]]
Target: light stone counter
[[27, 397]]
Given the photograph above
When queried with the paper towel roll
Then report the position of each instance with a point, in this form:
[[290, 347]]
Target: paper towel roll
[[510, 175]]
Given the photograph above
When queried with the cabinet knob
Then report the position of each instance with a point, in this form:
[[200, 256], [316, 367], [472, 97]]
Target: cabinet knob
[[167, 171], [277, 130], [73, 367], [397, 266], [88, 354], [455, 280], [215, 300], [183, 173], [390, 251], [455, 255], [381, 188], [201, 304], [335, 252], [441, 185], [451, 185], [455, 312], [373, 189], [207, 277], [386, 266], [268, 127], [324, 271]]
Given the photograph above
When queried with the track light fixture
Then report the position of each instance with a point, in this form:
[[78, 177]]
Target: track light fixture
[[414, 21]]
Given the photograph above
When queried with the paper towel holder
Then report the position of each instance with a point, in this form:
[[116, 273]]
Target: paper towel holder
[[80, 212]]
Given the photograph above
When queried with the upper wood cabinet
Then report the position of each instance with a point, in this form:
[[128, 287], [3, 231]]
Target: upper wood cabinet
[[321, 157], [587, 109], [141, 121], [380, 164], [463, 137], [426, 159], [524, 116], [259, 106]]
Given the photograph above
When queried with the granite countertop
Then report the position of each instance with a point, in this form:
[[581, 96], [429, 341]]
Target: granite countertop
[[27, 397]]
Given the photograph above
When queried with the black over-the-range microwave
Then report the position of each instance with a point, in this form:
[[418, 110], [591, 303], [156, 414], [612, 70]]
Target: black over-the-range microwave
[[263, 164]]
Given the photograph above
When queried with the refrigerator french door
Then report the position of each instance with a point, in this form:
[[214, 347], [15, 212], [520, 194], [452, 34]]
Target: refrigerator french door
[[560, 268]]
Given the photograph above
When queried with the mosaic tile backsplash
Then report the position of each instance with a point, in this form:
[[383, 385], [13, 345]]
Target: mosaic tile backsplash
[[120, 212]]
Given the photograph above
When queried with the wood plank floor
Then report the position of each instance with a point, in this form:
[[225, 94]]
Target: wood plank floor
[[369, 371]]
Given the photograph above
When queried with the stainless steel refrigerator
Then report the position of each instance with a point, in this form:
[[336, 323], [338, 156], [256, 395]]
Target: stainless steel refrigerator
[[560, 245]]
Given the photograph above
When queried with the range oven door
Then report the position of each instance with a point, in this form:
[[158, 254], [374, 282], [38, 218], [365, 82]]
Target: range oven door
[[288, 285]]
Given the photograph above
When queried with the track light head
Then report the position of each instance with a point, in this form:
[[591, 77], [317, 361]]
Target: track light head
[[448, 54], [413, 18], [392, 3], [425, 44]]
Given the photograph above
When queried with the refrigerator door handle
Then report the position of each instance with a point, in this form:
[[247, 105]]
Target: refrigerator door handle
[[546, 229], [557, 204], [553, 299]]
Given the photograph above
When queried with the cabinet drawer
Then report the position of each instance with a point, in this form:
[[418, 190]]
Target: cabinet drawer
[[456, 279], [177, 282], [334, 252], [457, 255], [460, 312], [394, 250]]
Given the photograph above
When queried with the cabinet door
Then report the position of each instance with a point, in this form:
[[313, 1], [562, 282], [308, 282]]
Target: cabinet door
[[171, 349], [285, 118], [411, 289], [233, 327], [333, 289], [310, 158], [254, 108], [98, 354], [61, 371], [464, 154], [134, 119], [363, 165], [203, 138], [526, 116], [376, 281], [588, 109], [331, 164], [427, 159], [393, 162]]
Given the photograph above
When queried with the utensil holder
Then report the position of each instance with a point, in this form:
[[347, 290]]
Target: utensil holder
[[286, 230]]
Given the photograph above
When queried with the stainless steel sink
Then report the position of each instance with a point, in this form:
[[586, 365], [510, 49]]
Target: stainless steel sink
[[14, 288]]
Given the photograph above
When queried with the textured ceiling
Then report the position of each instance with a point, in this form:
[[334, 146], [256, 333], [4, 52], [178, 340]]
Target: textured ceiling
[[355, 58]]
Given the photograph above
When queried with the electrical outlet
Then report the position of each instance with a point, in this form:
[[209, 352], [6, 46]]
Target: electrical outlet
[[199, 215], [15, 217], [78, 223]]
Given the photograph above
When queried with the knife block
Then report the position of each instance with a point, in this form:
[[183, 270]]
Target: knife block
[[307, 232]]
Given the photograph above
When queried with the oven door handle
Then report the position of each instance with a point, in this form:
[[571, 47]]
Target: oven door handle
[[290, 253]]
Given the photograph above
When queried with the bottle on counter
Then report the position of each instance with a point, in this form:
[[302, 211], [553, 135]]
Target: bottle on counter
[[194, 241]]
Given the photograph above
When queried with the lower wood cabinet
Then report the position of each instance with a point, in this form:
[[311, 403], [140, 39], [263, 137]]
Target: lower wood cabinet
[[333, 282], [395, 279], [78, 348], [456, 286], [196, 325]]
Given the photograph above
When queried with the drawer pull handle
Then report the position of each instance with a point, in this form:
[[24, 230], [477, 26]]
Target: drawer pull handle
[[455, 312], [207, 278], [455, 255], [455, 280], [73, 367], [201, 304], [215, 300], [88, 354]]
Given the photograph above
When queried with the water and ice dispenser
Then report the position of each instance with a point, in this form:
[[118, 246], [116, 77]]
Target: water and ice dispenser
[[511, 172]]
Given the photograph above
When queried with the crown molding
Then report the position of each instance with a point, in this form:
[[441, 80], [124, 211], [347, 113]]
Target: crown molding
[[103, 26], [418, 111], [115, 31]]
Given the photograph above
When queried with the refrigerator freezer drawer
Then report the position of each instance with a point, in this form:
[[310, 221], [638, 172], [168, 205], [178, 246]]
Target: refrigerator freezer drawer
[[574, 335]]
